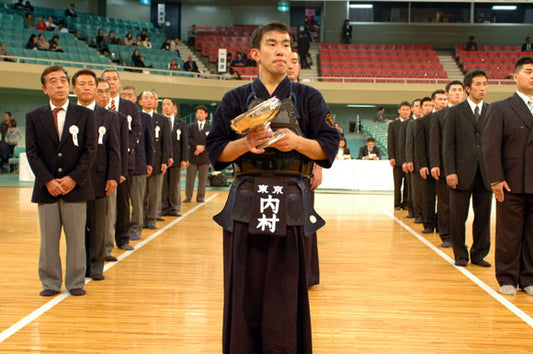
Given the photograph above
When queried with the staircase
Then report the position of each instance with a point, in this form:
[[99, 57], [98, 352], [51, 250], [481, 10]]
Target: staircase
[[185, 51], [447, 59], [307, 75]]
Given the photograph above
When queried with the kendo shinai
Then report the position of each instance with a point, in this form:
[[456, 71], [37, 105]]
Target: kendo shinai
[[269, 212]]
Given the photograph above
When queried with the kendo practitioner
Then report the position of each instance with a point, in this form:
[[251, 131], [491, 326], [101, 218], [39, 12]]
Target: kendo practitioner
[[269, 211]]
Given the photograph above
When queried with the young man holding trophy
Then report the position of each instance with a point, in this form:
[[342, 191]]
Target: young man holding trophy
[[269, 210]]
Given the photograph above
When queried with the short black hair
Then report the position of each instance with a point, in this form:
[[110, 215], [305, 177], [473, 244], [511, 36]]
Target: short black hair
[[469, 77], [130, 88], [404, 103], [425, 99], [471, 37], [83, 72], [454, 82], [8, 113], [528, 59], [109, 70], [13, 123], [202, 107], [370, 140], [99, 80], [416, 100], [437, 92], [51, 69], [171, 101], [259, 32], [380, 108]]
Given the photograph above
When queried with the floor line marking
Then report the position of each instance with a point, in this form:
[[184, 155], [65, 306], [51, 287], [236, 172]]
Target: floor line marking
[[493, 293], [62, 296]]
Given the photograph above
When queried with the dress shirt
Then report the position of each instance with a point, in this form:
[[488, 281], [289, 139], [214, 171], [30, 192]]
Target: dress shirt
[[525, 98], [473, 106], [90, 106], [116, 99], [60, 117]]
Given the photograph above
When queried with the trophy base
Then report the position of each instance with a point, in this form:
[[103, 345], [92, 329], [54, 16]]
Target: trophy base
[[274, 138]]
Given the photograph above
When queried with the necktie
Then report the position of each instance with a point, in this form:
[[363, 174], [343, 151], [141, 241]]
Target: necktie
[[201, 126], [530, 104], [476, 113], [113, 107], [54, 113]]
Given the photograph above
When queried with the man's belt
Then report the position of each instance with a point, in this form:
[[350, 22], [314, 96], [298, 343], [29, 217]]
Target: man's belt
[[277, 166]]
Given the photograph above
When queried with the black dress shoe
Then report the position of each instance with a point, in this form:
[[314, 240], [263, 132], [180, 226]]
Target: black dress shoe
[[446, 244], [110, 258], [200, 200], [48, 292], [410, 216], [461, 262], [125, 247], [187, 201], [159, 219], [174, 213], [163, 213], [418, 220], [398, 208], [77, 292], [427, 230], [97, 277], [482, 263]]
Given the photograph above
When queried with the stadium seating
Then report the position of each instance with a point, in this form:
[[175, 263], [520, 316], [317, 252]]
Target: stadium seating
[[378, 131]]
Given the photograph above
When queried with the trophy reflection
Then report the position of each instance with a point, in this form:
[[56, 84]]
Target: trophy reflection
[[259, 116]]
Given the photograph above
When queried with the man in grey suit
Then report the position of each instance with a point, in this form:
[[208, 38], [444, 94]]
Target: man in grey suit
[[61, 147], [508, 154], [161, 134], [179, 150], [198, 158], [465, 171]]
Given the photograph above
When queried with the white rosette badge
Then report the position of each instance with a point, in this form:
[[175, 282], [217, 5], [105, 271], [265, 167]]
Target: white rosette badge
[[178, 134], [129, 121], [101, 133], [157, 129], [74, 130]]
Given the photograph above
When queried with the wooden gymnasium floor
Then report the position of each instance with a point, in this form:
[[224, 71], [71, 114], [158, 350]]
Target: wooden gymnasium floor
[[384, 288]]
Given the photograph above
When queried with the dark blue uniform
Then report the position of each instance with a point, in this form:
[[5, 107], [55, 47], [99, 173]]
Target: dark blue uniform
[[266, 306]]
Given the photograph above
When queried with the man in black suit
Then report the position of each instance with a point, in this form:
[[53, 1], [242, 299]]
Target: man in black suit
[[105, 173], [129, 109], [369, 151], [527, 46], [190, 65], [161, 135], [455, 94], [422, 141], [396, 158], [508, 156], [466, 173], [198, 159], [61, 147], [179, 141]]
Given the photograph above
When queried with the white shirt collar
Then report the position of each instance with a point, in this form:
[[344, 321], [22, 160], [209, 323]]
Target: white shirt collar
[[116, 99], [151, 113], [90, 106], [473, 105], [64, 106], [524, 97]]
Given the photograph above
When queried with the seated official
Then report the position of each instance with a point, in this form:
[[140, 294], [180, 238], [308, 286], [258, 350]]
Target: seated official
[[344, 152], [369, 151]]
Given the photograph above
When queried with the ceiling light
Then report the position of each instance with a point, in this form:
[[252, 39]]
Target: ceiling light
[[504, 7], [361, 6]]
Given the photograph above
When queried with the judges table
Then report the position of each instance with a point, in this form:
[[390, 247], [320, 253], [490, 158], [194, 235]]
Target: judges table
[[361, 175], [25, 172]]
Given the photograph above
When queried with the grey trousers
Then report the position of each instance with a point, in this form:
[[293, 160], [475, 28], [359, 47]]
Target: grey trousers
[[95, 236], [171, 195], [137, 193], [152, 201], [203, 170], [72, 218], [110, 218]]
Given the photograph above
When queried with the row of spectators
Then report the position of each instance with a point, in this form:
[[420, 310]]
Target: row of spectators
[[39, 43], [10, 138], [50, 25]]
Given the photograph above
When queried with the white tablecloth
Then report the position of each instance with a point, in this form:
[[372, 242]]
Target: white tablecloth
[[358, 175], [25, 172]]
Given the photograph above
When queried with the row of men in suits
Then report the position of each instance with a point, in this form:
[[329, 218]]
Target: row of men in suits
[[81, 155], [470, 150]]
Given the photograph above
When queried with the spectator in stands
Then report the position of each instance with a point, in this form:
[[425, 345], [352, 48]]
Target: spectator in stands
[[174, 46], [344, 151], [112, 39], [5, 53], [369, 151], [42, 44], [250, 62], [19, 5], [238, 61], [303, 50], [191, 35], [190, 65], [32, 42], [174, 65], [71, 11], [28, 7], [379, 115], [146, 43], [137, 59], [166, 44], [29, 21], [294, 67], [527, 47], [4, 127], [143, 34], [62, 28], [347, 32], [128, 40], [54, 45], [236, 75], [41, 25], [50, 25], [138, 41], [101, 42], [471, 45], [13, 136]]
